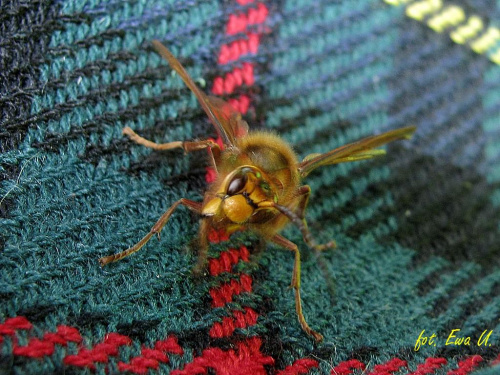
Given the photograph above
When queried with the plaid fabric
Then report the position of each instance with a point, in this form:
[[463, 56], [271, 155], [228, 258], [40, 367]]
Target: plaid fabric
[[417, 230]]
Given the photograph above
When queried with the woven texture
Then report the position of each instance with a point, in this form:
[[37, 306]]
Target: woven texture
[[417, 230]]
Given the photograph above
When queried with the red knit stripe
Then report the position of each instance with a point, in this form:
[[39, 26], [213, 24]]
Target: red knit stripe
[[246, 359], [429, 366], [300, 366], [151, 358], [467, 365], [240, 319], [224, 293], [100, 353], [37, 348], [347, 367], [389, 367], [227, 260]]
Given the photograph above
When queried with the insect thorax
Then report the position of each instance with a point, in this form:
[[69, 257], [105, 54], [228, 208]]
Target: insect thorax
[[274, 157]]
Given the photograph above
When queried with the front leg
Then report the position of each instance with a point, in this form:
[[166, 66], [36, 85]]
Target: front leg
[[282, 241], [187, 146], [299, 220], [156, 229]]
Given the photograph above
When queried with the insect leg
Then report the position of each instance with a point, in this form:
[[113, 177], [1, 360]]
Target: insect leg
[[156, 229], [202, 246], [304, 192], [299, 220], [282, 241], [186, 146]]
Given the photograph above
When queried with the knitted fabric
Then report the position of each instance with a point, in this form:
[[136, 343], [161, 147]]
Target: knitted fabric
[[417, 231]]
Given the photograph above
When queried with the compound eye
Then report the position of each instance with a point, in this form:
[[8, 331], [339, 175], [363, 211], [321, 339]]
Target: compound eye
[[237, 184]]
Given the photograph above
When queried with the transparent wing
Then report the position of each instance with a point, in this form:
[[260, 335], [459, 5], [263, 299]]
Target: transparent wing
[[360, 150], [230, 118], [224, 117]]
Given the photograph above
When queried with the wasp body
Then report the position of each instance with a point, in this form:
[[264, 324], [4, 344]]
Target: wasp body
[[258, 184]]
